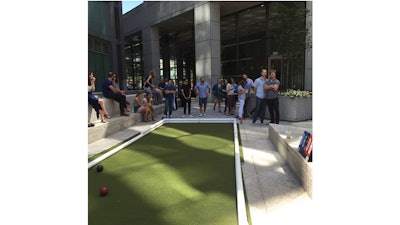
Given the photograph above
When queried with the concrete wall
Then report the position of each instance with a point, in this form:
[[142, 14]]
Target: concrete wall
[[208, 41], [308, 53], [152, 13], [288, 149], [146, 17], [151, 51], [115, 36]]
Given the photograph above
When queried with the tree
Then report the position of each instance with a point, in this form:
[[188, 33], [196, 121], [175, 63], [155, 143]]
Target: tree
[[292, 41]]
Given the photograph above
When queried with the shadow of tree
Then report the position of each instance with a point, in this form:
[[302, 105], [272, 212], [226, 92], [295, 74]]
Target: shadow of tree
[[164, 180]]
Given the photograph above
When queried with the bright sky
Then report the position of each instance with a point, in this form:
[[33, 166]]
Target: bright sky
[[128, 5]]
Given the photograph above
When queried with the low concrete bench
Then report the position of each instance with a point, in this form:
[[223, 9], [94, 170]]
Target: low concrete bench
[[117, 122], [288, 149]]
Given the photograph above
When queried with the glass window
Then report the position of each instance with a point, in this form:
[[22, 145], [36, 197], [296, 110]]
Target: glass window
[[98, 17], [251, 16], [134, 62], [228, 53]]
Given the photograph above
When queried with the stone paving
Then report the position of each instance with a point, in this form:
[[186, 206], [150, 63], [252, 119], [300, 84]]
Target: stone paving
[[273, 193]]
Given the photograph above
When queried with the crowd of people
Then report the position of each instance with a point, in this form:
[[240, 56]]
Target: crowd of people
[[264, 90]]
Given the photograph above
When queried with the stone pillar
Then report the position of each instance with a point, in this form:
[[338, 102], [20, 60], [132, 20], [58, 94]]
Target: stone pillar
[[308, 53], [207, 41], [151, 51]]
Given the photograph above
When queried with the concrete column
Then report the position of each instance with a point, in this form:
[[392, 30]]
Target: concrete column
[[151, 51], [207, 41], [308, 53]]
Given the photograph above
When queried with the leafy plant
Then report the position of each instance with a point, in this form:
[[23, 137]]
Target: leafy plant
[[295, 93]]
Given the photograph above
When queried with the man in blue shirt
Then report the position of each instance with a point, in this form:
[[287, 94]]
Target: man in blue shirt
[[203, 91], [271, 86], [169, 95], [109, 91], [261, 102]]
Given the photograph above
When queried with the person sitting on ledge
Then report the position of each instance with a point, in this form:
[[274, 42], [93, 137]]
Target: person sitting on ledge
[[116, 85], [109, 91], [96, 103], [140, 106]]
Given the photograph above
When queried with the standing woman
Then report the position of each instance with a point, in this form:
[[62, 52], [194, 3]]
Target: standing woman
[[149, 87], [230, 97], [217, 94], [242, 99], [96, 103], [225, 82]]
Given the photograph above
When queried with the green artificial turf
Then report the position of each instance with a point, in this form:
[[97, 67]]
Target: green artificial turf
[[177, 174]]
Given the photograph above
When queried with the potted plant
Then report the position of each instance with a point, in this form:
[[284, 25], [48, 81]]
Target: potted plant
[[294, 105]]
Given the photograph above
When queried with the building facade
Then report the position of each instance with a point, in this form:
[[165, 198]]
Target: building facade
[[219, 39], [105, 41]]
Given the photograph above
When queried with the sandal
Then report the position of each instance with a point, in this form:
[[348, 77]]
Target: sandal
[[107, 116]]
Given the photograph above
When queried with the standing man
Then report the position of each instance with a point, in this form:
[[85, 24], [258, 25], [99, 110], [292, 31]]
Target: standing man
[[272, 87], [109, 91], [169, 91], [261, 103], [186, 97], [203, 91], [247, 90]]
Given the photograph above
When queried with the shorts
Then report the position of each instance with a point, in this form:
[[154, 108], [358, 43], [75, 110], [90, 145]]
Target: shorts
[[202, 101]]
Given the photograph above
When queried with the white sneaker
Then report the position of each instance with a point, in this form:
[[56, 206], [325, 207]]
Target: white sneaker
[[165, 116], [171, 116], [204, 114], [190, 115], [183, 116], [200, 115]]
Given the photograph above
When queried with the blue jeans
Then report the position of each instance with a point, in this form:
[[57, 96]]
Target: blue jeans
[[261, 105], [168, 106]]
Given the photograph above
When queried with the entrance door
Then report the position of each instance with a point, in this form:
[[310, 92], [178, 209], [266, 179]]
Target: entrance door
[[275, 62]]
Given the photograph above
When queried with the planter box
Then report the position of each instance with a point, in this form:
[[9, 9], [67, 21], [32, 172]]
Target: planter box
[[294, 109], [288, 149]]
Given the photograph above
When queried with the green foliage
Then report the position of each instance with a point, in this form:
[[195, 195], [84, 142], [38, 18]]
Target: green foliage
[[292, 37], [295, 93]]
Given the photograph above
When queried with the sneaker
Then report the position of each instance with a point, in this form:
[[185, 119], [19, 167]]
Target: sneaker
[[200, 115], [262, 124], [171, 116], [204, 114], [184, 115], [163, 117], [190, 115]]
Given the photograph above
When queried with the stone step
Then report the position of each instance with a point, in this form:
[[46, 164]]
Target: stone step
[[117, 123], [112, 107]]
